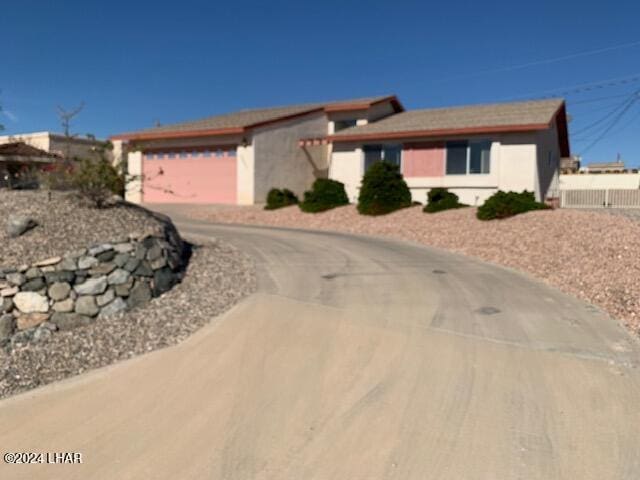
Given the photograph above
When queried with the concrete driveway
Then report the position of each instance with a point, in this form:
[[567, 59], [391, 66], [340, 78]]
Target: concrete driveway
[[359, 358]]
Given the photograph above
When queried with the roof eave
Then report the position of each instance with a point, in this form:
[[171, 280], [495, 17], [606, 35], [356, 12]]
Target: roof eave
[[439, 132], [179, 134]]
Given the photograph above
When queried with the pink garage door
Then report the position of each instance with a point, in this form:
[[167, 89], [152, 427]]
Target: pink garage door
[[207, 176]]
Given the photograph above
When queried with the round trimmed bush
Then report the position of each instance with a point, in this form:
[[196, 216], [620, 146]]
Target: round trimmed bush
[[383, 190], [277, 198], [507, 204], [325, 194], [439, 199]]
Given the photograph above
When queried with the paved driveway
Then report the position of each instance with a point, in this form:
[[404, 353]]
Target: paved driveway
[[359, 358]]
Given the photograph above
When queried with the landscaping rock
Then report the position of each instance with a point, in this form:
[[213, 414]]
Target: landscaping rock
[[34, 285], [64, 306], [85, 263], [68, 321], [68, 264], [59, 291], [124, 289], [48, 262], [103, 268], [93, 286], [121, 259], [42, 333], [131, 264], [86, 305], [33, 272], [16, 279], [163, 280], [6, 304], [9, 292], [139, 295], [31, 302], [143, 270], [123, 247], [30, 320], [19, 224], [98, 249], [158, 263], [106, 256], [118, 277], [105, 298], [59, 276], [154, 253], [7, 326], [116, 306]]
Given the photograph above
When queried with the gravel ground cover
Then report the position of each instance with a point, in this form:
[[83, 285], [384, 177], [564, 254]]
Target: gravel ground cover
[[217, 277], [591, 255], [63, 225]]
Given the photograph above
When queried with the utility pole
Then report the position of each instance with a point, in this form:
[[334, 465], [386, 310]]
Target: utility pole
[[65, 120]]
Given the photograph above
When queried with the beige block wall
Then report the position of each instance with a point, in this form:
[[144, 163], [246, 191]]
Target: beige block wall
[[133, 191], [587, 181], [346, 167]]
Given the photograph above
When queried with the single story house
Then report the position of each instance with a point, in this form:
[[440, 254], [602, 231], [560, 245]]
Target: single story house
[[236, 158], [18, 162], [74, 147]]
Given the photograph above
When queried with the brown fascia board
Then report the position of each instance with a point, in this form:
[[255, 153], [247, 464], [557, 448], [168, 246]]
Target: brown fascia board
[[438, 132], [178, 134]]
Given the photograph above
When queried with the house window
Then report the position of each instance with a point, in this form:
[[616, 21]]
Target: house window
[[218, 153], [159, 156], [468, 157], [231, 153], [343, 124], [183, 154], [381, 153], [172, 155]]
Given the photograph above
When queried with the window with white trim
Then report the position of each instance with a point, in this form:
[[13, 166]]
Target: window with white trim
[[468, 157]]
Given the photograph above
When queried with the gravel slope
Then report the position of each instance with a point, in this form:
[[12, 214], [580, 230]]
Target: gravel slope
[[591, 255], [64, 225], [217, 277]]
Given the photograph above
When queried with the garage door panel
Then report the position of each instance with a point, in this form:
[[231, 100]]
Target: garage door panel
[[190, 179]]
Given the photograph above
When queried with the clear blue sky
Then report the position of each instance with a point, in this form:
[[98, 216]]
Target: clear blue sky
[[133, 63]]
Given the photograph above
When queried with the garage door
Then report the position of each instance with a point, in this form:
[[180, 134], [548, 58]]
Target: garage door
[[202, 176]]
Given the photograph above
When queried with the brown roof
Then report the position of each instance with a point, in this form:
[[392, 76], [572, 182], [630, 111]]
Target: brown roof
[[21, 149], [238, 122], [514, 116]]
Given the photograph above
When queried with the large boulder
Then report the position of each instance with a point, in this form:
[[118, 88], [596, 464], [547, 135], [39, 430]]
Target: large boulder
[[19, 224], [31, 302]]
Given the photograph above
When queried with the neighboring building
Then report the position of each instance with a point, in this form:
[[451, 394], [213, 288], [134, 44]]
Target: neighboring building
[[238, 157], [589, 181], [569, 165], [18, 162], [74, 147], [604, 167]]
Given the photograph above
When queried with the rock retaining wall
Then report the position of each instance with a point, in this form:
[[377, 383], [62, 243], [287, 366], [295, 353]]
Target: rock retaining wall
[[81, 287]]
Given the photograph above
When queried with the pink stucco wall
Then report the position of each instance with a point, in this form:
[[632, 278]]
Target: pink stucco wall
[[423, 160], [196, 178]]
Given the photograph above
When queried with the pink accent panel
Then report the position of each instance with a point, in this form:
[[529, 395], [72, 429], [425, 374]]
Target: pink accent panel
[[201, 179], [423, 160]]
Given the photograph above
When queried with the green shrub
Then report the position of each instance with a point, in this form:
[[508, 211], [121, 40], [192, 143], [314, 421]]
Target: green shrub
[[439, 199], [383, 190], [277, 198], [96, 181], [507, 204], [324, 195]]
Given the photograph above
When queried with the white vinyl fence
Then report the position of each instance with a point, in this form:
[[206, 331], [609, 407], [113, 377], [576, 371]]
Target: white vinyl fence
[[600, 198]]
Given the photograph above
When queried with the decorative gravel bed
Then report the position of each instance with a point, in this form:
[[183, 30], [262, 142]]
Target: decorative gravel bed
[[217, 277], [63, 225], [592, 255]]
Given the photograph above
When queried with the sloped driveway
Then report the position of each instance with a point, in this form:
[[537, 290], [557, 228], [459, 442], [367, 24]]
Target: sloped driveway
[[359, 358]]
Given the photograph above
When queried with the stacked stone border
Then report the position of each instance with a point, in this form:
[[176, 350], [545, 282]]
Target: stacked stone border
[[81, 287]]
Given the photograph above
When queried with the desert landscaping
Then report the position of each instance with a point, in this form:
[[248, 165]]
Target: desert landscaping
[[83, 287], [591, 255]]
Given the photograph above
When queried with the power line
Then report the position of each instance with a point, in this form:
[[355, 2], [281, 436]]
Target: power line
[[547, 61], [611, 125], [598, 99], [630, 99]]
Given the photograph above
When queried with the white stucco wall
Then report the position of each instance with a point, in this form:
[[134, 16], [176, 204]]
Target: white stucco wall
[[133, 191], [39, 140], [600, 180], [514, 167], [245, 174], [346, 167]]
